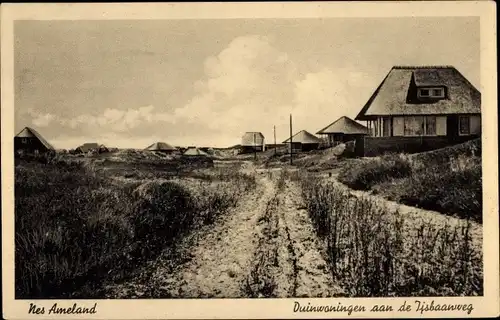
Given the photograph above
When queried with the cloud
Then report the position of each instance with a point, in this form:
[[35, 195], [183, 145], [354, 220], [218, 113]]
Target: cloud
[[245, 88], [116, 120], [324, 96], [251, 85], [43, 120]]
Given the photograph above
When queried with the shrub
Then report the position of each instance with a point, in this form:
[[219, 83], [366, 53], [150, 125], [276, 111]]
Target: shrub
[[441, 189], [364, 175], [163, 211]]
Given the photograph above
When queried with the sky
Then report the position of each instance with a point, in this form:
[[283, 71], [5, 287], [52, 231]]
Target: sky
[[130, 83]]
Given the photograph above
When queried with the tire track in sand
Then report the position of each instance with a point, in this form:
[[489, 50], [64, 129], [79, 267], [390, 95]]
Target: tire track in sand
[[221, 258], [288, 261]]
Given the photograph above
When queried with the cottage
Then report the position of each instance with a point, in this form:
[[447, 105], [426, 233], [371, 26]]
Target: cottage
[[417, 109], [91, 147], [161, 147], [303, 141], [29, 141], [252, 141], [343, 130], [195, 152]]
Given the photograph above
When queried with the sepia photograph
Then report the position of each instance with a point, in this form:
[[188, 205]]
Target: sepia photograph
[[334, 157]]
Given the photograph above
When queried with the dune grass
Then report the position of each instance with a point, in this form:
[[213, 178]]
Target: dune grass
[[75, 228], [375, 252]]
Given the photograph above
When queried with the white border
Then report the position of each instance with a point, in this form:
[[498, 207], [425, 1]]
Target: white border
[[488, 305]]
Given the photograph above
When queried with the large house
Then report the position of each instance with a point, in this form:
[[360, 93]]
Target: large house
[[418, 109], [343, 130], [29, 141], [303, 141], [252, 141]]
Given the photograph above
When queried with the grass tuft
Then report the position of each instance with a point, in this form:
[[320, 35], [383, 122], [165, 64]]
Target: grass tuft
[[76, 228], [375, 252]]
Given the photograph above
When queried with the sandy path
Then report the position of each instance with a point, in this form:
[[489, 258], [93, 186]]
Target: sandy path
[[222, 257], [264, 247]]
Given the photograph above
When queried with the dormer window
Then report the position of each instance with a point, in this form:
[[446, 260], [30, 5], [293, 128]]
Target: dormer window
[[431, 93]]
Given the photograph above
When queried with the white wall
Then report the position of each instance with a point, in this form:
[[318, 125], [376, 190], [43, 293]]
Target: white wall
[[441, 125], [475, 124], [398, 128]]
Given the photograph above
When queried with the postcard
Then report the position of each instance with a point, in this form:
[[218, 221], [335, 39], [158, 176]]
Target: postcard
[[269, 160]]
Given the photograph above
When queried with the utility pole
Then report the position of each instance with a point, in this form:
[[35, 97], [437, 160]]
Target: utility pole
[[274, 129], [254, 147], [291, 142]]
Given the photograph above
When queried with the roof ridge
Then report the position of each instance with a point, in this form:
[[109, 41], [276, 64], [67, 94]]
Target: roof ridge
[[424, 67], [38, 136], [392, 94]]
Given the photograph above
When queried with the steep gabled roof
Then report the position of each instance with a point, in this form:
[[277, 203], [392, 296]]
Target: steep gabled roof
[[90, 146], [248, 139], [195, 152], [344, 125], [303, 137], [28, 132], [391, 96], [160, 146]]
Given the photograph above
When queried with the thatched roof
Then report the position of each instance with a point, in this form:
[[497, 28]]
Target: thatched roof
[[195, 152], [248, 139], [394, 96], [160, 146], [86, 147], [344, 125], [28, 132], [303, 137]]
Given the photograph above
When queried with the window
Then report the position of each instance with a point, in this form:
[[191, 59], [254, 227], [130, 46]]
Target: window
[[430, 126], [387, 125], [414, 126], [433, 93], [375, 128], [420, 126], [424, 92], [464, 125], [438, 93]]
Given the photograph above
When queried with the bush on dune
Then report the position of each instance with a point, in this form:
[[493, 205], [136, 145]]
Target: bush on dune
[[447, 180], [441, 189], [364, 175]]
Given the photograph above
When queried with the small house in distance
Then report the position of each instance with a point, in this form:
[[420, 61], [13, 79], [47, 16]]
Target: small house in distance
[[342, 130], [195, 152], [161, 147], [252, 141], [421, 108], [91, 147], [303, 141], [29, 141]]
